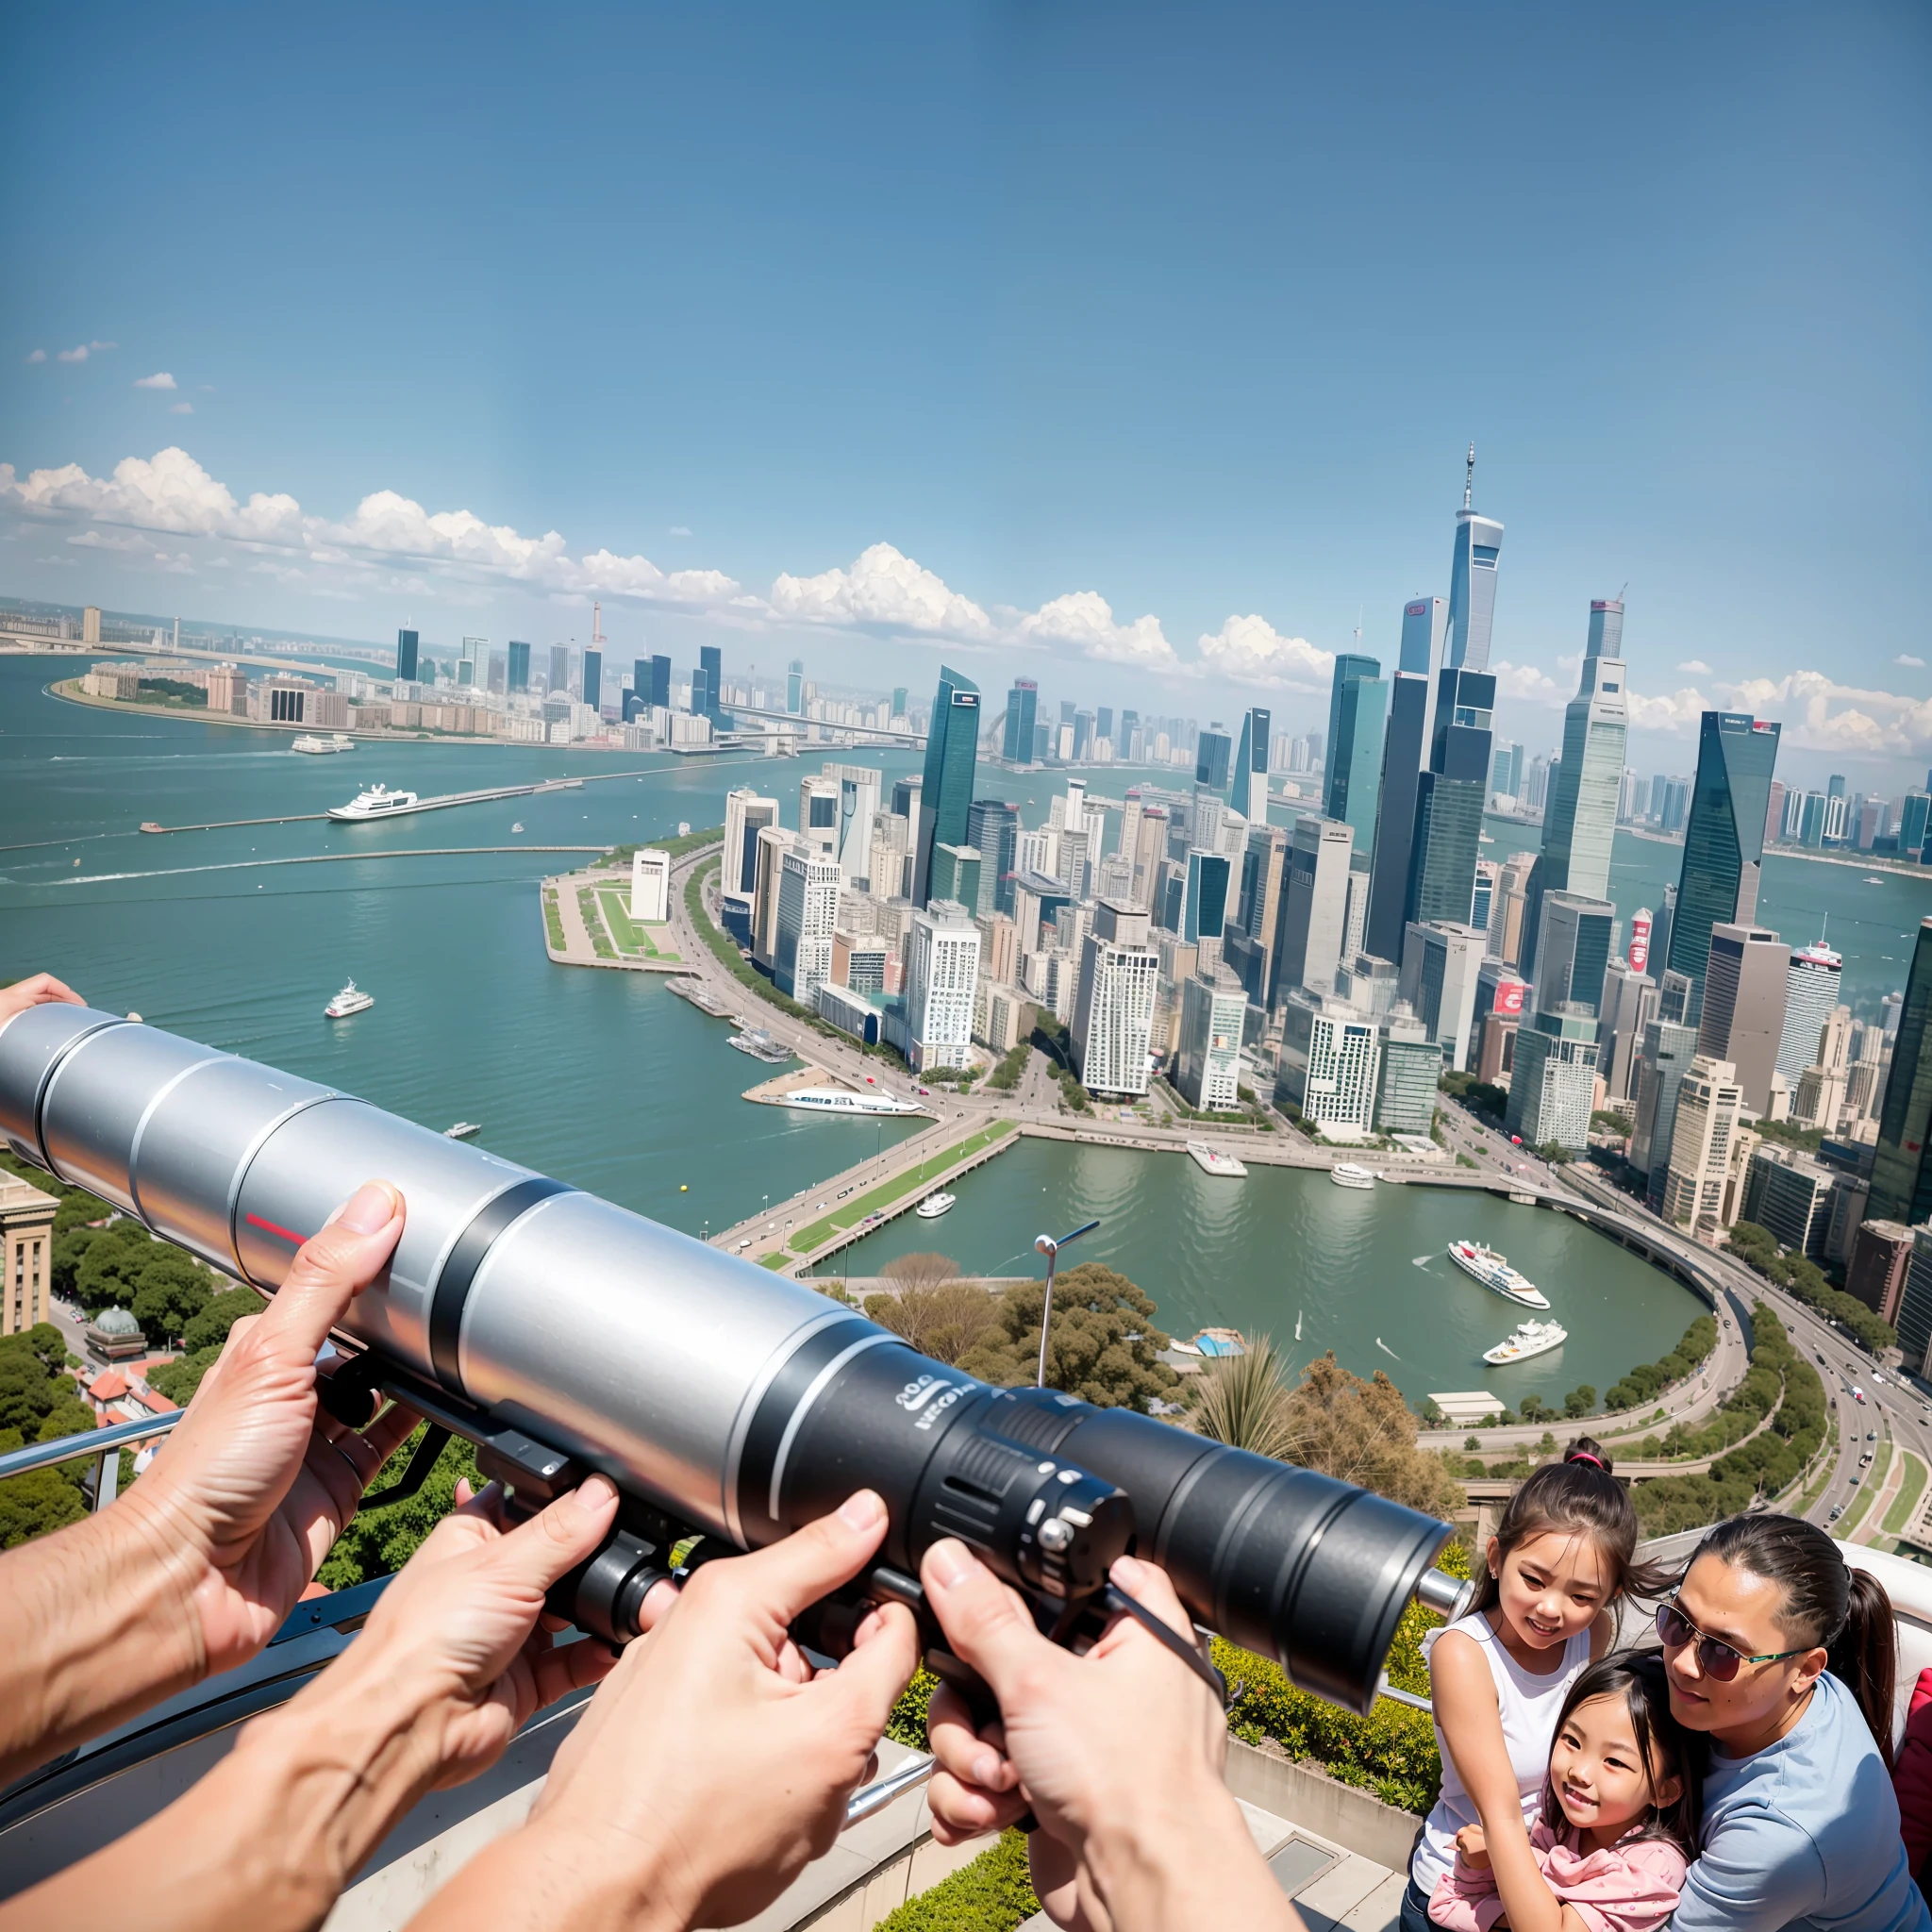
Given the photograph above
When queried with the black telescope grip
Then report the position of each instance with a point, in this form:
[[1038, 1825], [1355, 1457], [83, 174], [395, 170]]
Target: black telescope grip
[[434, 1439]]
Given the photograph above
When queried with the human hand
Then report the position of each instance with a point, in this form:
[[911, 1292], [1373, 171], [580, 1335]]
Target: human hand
[[1119, 1754], [1473, 1847], [255, 1483], [37, 990], [712, 1766]]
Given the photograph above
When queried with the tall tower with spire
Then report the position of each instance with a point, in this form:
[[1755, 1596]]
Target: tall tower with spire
[[1473, 580]]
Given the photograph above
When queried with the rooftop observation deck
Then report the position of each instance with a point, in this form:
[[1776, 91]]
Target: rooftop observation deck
[[1339, 1853]]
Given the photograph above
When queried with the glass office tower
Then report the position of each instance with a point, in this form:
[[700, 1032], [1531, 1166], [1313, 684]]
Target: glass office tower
[[1902, 1169], [1247, 788], [1723, 840], [594, 676], [1402, 749], [1358, 715], [405, 656], [1211, 759], [1450, 797], [1022, 714], [518, 665], [952, 750], [1472, 581]]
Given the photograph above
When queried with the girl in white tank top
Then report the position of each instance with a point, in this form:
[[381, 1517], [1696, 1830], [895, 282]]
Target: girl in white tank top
[[1562, 1557]]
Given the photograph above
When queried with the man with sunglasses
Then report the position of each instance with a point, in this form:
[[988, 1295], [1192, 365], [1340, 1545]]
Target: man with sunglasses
[[1783, 1657]]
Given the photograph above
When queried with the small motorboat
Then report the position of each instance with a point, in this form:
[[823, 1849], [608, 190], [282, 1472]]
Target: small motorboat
[[462, 1130], [935, 1205], [352, 999]]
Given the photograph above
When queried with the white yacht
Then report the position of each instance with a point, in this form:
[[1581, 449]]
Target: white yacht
[[838, 1100], [1345, 1174], [462, 1130], [378, 801], [1494, 1270], [352, 999], [1531, 1338], [935, 1205], [320, 747]]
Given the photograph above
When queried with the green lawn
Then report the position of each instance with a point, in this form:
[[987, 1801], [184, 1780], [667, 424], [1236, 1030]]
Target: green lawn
[[1908, 1500], [587, 911], [850, 1214], [553, 921], [632, 939], [1875, 1481]]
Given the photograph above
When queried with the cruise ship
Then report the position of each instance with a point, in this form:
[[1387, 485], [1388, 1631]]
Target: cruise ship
[[1531, 1338], [838, 1100], [1494, 1270], [352, 999], [378, 801], [1345, 1174]]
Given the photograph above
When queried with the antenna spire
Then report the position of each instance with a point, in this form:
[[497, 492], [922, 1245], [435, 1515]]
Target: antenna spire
[[1468, 478]]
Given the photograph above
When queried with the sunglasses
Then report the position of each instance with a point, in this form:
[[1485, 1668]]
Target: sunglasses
[[1715, 1659]]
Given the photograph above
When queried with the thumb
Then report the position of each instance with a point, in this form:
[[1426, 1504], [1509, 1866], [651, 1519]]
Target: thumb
[[782, 1579], [332, 1267], [983, 1621], [553, 1541]]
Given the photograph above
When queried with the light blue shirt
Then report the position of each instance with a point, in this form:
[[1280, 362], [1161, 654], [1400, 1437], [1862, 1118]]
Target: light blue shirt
[[1804, 1833]]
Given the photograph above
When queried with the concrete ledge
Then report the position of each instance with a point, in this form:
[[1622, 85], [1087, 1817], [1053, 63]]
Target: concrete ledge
[[1357, 1820]]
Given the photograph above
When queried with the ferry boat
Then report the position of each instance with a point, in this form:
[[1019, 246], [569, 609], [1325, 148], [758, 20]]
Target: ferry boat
[[462, 1130], [352, 999], [320, 747], [1345, 1174], [760, 1047], [378, 801], [935, 1205], [1494, 1270], [836, 1100], [1211, 1161], [1531, 1338]]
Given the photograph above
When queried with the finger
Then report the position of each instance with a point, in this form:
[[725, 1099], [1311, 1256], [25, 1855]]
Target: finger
[[985, 1625], [486, 1502], [332, 1267], [962, 1811], [972, 1756], [659, 1600], [559, 1538], [811, 1563], [557, 1673], [1150, 1587], [867, 1684]]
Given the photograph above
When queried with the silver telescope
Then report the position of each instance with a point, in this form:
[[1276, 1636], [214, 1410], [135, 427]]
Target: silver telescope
[[562, 1333]]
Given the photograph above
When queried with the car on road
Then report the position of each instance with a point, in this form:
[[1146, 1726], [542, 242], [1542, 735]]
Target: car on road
[[744, 1244], [1871, 1435], [1837, 1509]]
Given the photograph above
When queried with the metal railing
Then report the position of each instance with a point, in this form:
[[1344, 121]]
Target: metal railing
[[102, 1445]]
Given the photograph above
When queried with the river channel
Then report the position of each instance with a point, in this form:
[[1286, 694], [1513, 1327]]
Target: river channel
[[608, 1081]]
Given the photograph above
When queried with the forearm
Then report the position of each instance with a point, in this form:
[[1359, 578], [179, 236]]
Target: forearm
[[545, 1877], [100, 1624], [1529, 1903], [1186, 1866], [268, 1839]]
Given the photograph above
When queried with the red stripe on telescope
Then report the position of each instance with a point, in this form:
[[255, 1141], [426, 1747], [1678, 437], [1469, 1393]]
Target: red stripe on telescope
[[294, 1240]]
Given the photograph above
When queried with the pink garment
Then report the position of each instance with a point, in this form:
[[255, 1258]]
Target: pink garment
[[1632, 1887]]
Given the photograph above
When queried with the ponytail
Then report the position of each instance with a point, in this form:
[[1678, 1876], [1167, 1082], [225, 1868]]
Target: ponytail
[[1825, 1602]]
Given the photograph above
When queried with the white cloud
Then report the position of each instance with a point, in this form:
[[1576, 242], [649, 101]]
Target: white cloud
[[1695, 667], [38, 355], [1527, 683], [680, 529], [160, 379], [1083, 620], [1673, 711], [1910, 662], [80, 352], [884, 589], [1249, 650], [78, 355], [180, 409], [1817, 713]]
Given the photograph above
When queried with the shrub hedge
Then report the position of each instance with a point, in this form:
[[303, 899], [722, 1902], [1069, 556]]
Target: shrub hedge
[[1643, 1382], [991, 1894]]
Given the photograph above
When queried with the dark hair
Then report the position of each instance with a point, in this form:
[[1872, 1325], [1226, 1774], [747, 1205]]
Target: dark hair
[[1825, 1602], [1667, 1748], [1582, 1496]]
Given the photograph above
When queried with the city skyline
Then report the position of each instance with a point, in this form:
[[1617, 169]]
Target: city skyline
[[585, 389]]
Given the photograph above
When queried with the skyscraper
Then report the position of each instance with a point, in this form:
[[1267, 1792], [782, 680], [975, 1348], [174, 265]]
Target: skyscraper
[[992, 829], [1742, 1019], [807, 914], [858, 802], [1554, 1078], [559, 669], [898, 701], [1472, 581], [794, 687], [641, 683], [1629, 1006], [1247, 789], [1357, 715], [952, 747], [745, 816], [1723, 841], [1572, 951], [941, 967], [518, 665], [1902, 1169], [1113, 1005], [1450, 796], [1205, 907], [1425, 651], [406, 657], [594, 676], [1811, 984], [1312, 923], [711, 662], [1022, 714], [1404, 747], [1440, 964], [660, 683], [1212, 758], [1662, 1062], [1580, 814]]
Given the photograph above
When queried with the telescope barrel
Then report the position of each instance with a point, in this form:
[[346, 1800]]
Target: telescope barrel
[[737, 1402]]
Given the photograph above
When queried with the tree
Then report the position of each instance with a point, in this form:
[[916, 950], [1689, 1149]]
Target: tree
[[1102, 1346], [27, 1391], [210, 1327], [921, 1271], [1580, 1400], [43, 1341], [179, 1380], [1242, 1400], [1363, 1433], [170, 1291], [114, 1258], [34, 1503], [945, 1320], [377, 1542], [70, 1249]]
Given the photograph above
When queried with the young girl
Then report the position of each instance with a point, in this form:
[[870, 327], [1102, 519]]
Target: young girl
[[1618, 1824], [1560, 1559]]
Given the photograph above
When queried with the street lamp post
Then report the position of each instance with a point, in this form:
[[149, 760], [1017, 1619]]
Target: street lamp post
[[1046, 1245]]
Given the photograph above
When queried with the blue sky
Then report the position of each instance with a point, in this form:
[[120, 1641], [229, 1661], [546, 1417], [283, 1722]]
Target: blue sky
[[1148, 338]]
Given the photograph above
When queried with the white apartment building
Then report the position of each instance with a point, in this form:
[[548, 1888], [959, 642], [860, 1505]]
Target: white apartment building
[[859, 804], [1207, 1069], [941, 969], [818, 815], [745, 816], [1331, 1055], [650, 887], [1113, 1004], [807, 917], [1708, 1102]]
